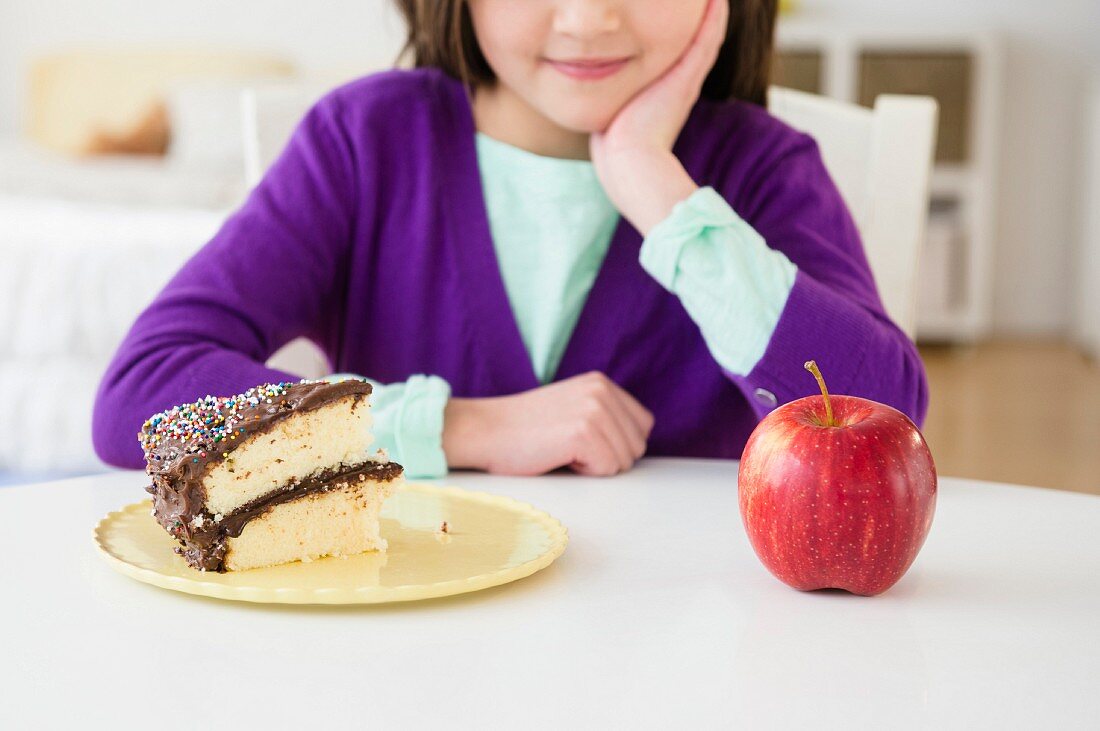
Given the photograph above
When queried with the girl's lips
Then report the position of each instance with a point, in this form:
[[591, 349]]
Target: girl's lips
[[588, 69]]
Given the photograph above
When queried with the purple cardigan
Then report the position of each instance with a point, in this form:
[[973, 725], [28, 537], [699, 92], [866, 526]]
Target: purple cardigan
[[369, 236]]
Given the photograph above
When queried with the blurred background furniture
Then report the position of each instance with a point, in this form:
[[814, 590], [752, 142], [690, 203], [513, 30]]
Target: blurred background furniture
[[962, 71], [75, 95], [269, 115], [74, 276], [881, 160], [1087, 316], [88, 236]]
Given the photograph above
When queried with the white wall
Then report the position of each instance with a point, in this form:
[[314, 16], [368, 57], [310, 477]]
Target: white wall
[[1049, 48], [1047, 44]]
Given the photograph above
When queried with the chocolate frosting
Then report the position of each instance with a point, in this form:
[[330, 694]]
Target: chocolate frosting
[[182, 443]]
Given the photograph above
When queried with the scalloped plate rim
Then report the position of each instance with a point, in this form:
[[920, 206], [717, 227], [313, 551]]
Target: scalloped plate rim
[[557, 534]]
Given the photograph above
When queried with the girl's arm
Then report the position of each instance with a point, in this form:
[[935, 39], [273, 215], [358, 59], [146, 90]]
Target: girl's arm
[[272, 273], [793, 286], [729, 280], [732, 276]]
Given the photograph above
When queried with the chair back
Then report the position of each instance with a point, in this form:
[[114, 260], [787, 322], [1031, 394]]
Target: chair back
[[881, 160]]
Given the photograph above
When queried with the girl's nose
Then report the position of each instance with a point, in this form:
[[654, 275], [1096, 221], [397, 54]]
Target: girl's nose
[[584, 19]]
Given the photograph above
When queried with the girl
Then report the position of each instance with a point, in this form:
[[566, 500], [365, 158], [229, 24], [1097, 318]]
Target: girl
[[572, 235]]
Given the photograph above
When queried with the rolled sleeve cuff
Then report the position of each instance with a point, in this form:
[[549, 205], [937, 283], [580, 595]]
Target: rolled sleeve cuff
[[418, 430], [662, 248], [732, 284]]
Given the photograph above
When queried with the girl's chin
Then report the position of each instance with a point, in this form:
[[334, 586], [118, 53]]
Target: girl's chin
[[586, 120]]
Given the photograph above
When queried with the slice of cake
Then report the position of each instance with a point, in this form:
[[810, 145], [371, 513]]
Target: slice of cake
[[282, 472]]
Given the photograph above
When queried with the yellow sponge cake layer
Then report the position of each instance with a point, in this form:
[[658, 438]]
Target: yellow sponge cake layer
[[342, 522], [304, 443]]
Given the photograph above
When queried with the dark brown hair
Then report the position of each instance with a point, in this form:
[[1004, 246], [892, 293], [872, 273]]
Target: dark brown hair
[[441, 34]]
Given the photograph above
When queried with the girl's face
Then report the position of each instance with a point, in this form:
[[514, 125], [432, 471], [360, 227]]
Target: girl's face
[[577, 62]]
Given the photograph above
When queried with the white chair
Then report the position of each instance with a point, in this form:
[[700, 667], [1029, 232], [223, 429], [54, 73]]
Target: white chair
[[881, 160], [269, 115]]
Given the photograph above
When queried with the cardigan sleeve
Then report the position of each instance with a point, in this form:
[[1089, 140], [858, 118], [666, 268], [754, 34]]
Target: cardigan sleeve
[[731, 283], [272, 273], [805, 283]]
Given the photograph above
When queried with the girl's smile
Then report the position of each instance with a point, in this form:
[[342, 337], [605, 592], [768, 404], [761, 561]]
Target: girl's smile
[[588, 69], [564, 68]]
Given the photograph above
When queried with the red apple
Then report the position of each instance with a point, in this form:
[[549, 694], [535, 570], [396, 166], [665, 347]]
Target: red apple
[[837, 492]]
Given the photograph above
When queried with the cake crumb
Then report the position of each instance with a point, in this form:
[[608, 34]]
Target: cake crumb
[[444, 528], [218, 517]]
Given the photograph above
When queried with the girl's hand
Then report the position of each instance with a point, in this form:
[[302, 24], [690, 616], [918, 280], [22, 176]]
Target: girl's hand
[[633, 156], [586, 423]]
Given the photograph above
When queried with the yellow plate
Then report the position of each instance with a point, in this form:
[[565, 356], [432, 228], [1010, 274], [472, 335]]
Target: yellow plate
[[491, 541]]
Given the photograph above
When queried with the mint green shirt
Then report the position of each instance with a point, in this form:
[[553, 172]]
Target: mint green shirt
[[551, 224]]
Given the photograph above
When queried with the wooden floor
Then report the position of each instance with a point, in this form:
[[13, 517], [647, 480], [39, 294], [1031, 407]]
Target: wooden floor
[[1021, 412]]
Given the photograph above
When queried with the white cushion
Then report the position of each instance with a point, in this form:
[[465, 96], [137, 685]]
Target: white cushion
[[27, 170]]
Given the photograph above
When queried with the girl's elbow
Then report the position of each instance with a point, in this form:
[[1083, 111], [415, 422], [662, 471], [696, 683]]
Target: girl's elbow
[[903, 383], [915, 383], [112, 451], [920, 409], [114, 438]]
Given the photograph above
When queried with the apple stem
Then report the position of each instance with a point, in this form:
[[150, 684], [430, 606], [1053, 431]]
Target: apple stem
[[811, 366]]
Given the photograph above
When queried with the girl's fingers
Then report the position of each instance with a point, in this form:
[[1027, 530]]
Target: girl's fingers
[[643, 417], [657, 113], [701, 53], [612, 421], [639, 415], [615, 429], [712, 30], [598, 454], [628, 422]]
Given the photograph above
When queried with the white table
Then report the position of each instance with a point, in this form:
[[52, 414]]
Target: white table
[[658, 615]]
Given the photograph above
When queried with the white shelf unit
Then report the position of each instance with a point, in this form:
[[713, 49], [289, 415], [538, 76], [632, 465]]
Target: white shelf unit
[[1087, 315], [956, 291]]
